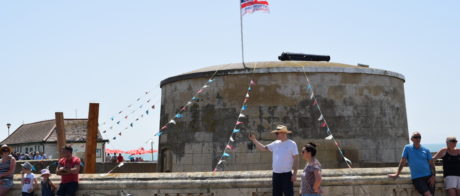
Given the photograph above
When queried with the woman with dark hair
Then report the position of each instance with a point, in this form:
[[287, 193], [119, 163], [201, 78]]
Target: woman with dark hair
[[7, 167], [311, 175]]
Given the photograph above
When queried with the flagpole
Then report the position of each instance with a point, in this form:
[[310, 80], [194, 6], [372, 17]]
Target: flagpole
[[242, 42]]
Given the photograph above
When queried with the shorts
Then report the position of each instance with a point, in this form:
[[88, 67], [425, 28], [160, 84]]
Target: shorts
[[66, 189], [27, 194], [422, 185], [452, 182], [6, 183]]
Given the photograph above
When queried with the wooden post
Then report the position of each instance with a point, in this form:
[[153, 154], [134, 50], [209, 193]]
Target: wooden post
[[60, 132], [91, 138]]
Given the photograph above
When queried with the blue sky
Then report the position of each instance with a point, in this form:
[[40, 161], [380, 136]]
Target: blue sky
[[61, 55]]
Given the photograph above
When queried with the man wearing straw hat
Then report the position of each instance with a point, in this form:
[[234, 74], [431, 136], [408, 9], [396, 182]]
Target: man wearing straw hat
[[285, 160]]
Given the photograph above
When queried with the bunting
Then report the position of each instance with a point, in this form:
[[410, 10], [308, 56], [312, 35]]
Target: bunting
[[230, 146], [195, 98], [322, 120]]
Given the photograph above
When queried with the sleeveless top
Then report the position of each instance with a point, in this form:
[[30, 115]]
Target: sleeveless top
[[451, 165], [5, 166], [46, 188]]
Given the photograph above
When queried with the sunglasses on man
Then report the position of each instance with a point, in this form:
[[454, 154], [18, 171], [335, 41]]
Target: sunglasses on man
[[417, 137]]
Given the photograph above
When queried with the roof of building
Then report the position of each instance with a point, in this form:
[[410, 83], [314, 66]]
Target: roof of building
[[45, 131], [278, 67]]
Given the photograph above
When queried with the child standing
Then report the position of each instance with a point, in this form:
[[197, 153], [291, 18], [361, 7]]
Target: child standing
[[48, 188], [28, 180]]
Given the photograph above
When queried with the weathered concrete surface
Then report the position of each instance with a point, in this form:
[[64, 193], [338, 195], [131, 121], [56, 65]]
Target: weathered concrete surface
[[361, 181], [128, 167], [364, 107]]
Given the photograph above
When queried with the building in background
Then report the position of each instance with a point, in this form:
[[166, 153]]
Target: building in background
[[41, 137]]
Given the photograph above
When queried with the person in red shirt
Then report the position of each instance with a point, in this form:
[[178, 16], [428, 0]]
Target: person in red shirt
[[120, 158], [68, 168]]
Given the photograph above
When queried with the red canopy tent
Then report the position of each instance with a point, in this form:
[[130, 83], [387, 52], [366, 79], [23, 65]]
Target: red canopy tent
[[135, 151]]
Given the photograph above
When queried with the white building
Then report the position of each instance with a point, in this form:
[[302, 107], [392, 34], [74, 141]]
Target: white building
[[41, 136]]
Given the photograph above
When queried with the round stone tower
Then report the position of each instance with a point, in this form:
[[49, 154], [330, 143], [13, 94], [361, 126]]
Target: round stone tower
[[364, 107]]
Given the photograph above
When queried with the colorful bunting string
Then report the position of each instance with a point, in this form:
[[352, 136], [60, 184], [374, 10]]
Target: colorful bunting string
[[323, 121], [230, 146], [195, 98]]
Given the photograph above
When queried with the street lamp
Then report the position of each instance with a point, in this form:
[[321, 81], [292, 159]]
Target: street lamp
[[8, 125]]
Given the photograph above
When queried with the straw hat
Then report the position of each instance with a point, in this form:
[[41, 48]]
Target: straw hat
[[281, 129], [4, 146]]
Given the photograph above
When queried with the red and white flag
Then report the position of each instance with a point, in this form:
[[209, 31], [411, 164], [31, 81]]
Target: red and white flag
[[251, 6]]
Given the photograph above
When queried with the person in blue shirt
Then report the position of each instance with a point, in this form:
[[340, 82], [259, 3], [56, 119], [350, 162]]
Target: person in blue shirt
[[422, 170]]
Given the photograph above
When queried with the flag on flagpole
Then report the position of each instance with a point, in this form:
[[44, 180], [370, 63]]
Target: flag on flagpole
[[251, 6]]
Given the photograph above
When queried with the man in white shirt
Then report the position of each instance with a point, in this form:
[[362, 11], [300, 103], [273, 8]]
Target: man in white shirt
[[285, 160]]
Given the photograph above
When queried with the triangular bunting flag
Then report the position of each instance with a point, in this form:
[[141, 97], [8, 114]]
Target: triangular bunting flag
[[239, 122], [138, 99], [147, 112], [137, 119], [179, 115], [164, 127], [159, 133], [120, 112], [231, 139], [205, 86], [114, 138], [194, 98], [324, 124], [112, 118], [347, 160], [312, 95], [189, 103], [252, 82], [245, 100], [183, 109], [236, 130], [118, 122], [320, 118], [249, 89], [105, 131], [247, 95], [148, 101], [220, 161], [126, 117], [241, 115], [315, 102], [131, 124], [119, 134], [329, 137], [172, 122], [244, 107], [210, 80], [226, 154], [200, 91], [229, 147]]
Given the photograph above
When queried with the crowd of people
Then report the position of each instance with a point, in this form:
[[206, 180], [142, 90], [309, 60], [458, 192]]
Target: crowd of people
[[68, 168], [29, 156], [119, 158]]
